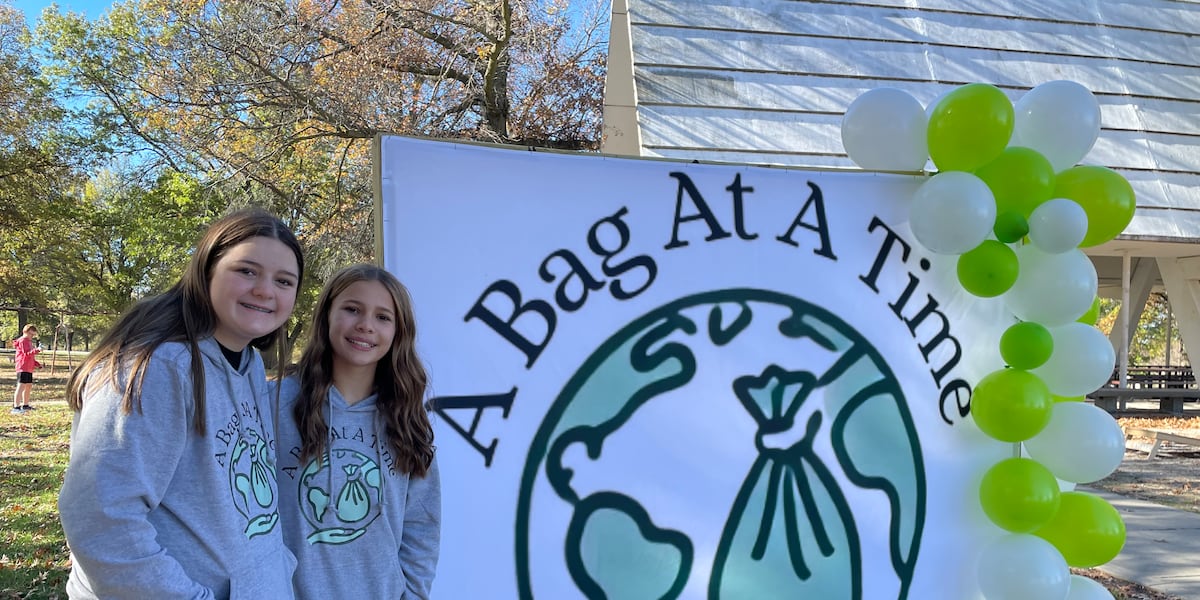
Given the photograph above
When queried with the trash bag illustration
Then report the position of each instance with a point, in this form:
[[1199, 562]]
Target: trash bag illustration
[[353, 502], [252, 483], [791, 527]]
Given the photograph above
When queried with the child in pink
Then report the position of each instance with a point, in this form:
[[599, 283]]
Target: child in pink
[[26, 363]]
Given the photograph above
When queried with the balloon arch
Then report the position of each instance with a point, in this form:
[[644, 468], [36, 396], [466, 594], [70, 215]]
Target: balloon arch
[[1009, 199]]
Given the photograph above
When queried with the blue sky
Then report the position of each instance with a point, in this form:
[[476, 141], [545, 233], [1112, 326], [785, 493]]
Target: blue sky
[[33, 8]]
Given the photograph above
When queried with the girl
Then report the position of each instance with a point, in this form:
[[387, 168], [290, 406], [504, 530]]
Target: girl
[[25, 363], [359, 495], [170, 491]]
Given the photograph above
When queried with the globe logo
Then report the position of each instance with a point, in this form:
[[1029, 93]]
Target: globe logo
[[734, 444], [340, 495], [252, 482]]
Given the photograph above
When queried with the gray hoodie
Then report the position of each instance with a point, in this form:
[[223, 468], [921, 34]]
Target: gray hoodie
[[359, 527], [151, 509]]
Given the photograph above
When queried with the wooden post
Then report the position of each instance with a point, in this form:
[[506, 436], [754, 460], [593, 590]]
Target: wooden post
[[1124, 324], [54, 349]]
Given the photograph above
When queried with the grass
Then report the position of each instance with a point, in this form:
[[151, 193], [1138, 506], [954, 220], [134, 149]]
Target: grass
[[33, 457]]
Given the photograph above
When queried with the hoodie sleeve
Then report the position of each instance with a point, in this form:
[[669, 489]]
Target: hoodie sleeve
[[421, 540], [119, 469]]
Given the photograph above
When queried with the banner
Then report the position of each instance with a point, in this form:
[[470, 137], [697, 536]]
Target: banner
[[659, 379]]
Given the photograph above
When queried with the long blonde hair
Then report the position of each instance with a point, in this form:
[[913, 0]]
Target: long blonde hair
[[400, 378], [183, 313]]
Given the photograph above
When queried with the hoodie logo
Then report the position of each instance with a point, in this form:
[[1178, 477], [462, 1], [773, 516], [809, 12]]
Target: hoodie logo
[[252, 481], [337, 496]]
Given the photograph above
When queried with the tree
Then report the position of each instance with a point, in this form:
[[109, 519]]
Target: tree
[[280, 99], [39, 156]]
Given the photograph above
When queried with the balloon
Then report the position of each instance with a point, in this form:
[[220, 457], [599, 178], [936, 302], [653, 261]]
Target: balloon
[[1020, 179], [1082, 443], [884, 130], [1057, 398], [1057, 225], [969, 127], [1026, 345], [988, 270], [952, 212], [1082, 360], [1105, 196], [1052, 288], [1010, 226], [1083, 588], [1019, 495], [1093, 314], [1087, 530], [1011, 405], [1060, 119], [1020, 566]]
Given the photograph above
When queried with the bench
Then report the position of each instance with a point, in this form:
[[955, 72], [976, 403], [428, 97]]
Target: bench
[[1170, 400], [1159, 437]]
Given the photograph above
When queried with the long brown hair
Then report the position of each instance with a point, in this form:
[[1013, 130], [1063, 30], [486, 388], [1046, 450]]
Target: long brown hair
[[400, 378], [184, 313]]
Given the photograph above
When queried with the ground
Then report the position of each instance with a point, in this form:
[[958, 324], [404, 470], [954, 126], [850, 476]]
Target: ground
[[1171, 479]]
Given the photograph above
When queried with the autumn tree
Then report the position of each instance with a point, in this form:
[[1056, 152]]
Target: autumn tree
[[280, 99]]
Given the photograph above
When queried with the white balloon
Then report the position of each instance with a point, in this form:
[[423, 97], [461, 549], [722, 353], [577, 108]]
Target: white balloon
[[1052, 289], [1057, 225], [1082, 443], [1083, 588], [1023, 567], [885, 130], [929, 108], [1060, 119], [953, 212], [1081, 362]]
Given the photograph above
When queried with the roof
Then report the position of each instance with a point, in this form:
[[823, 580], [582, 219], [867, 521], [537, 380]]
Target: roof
[[767, 81]]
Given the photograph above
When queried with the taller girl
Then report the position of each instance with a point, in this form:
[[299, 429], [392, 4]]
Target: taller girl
[[170, 491]]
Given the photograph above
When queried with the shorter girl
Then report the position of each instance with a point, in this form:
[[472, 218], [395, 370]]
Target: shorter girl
[[360, 497], [25, 363], [170, 491]]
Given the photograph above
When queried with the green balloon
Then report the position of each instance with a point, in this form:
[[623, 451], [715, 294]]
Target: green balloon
[[1105, 196], [1020, 179], [988, 270], [1093, 314], [1026, 345], [1010, 226], [1056, 398], [1011, 405], [1087, 530], [1019, 495], [969, 127]]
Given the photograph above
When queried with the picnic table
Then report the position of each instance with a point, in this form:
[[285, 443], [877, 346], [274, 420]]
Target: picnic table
[[1170, 400], [1171, 386], [1159, 436]]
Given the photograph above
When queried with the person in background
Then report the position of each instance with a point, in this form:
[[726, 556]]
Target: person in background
[[170, 490], [360, 496], [25, 363]]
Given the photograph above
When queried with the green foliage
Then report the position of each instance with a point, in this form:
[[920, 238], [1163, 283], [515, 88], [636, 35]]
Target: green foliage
[[1149, 343]]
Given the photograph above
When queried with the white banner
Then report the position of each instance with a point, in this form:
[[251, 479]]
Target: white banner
[[660, 379]]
